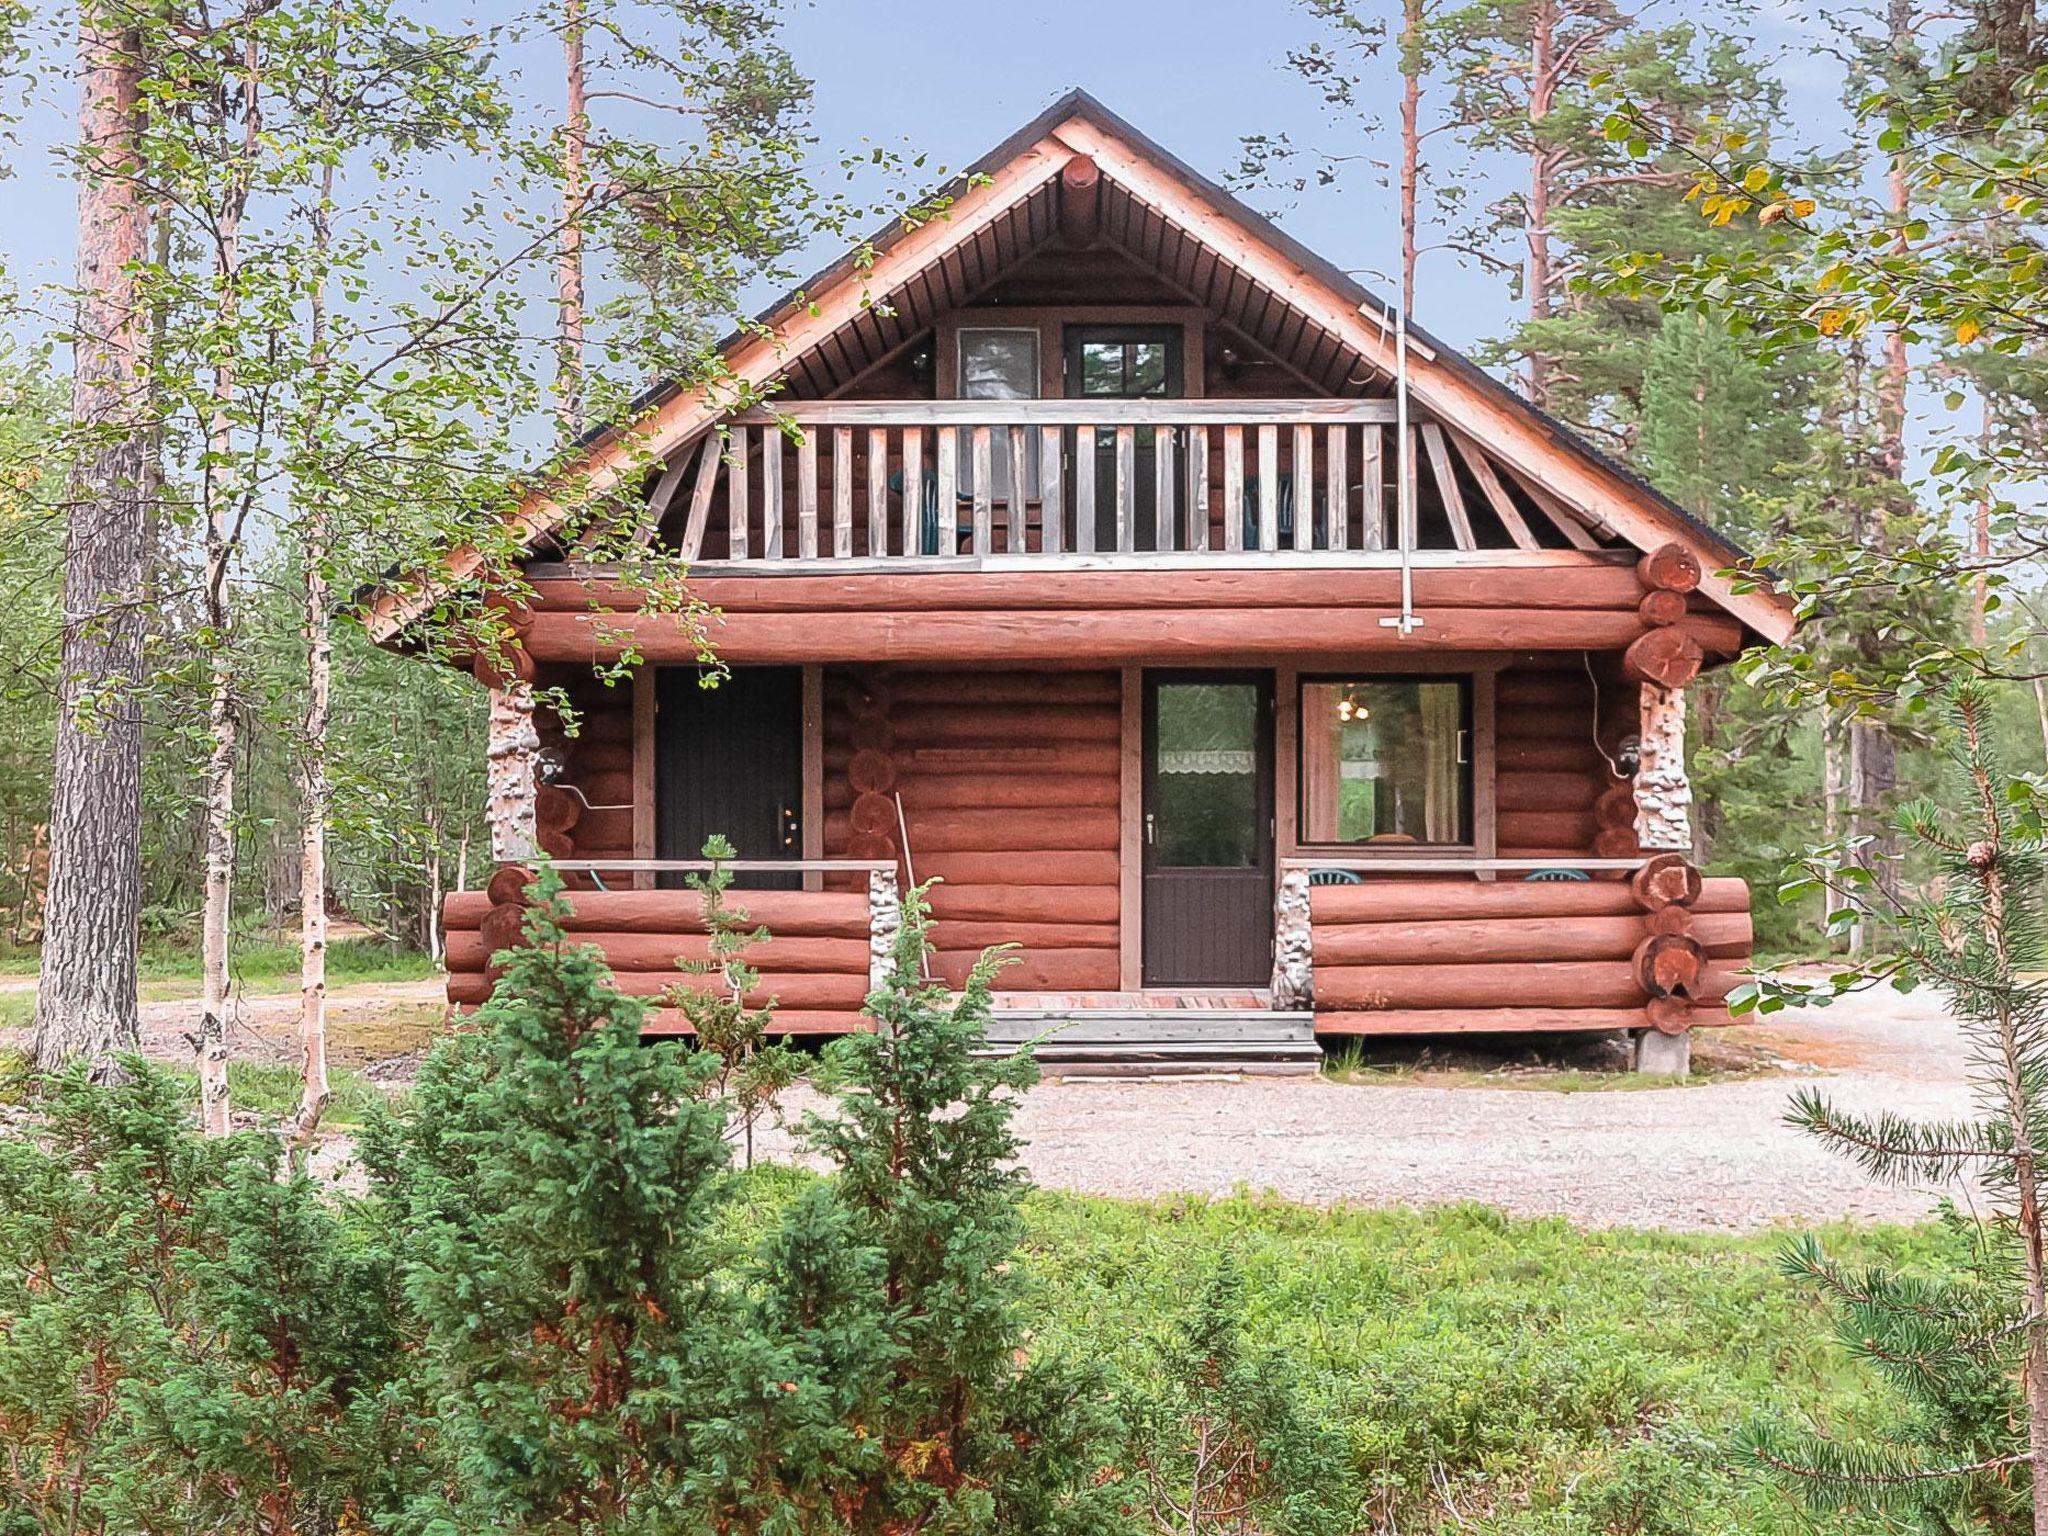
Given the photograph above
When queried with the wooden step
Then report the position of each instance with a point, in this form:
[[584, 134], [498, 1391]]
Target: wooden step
[[1151, 1041]]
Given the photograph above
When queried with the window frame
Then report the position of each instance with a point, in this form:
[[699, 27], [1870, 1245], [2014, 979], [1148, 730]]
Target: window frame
[[1476, 695]]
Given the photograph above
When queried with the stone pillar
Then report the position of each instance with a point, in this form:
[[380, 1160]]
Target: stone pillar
[[885, 924], [1663, 793], [1662, 1055], [1294, 976], [513, 754]]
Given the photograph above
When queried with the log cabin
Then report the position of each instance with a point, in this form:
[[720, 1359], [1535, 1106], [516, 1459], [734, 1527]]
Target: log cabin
[[1092, 561]]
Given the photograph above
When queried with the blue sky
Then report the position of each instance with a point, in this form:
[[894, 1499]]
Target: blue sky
[[953, 77]]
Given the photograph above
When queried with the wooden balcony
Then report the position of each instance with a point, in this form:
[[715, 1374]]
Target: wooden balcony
[[938, 484]]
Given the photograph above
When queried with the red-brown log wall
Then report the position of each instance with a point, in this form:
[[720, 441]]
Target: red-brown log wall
[[815, 963], [1422, 956], [1010, 783], [598, 762], [1549, 771]]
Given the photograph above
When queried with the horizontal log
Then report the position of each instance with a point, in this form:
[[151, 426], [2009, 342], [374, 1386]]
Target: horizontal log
[[1475, 1021], [1542, 722], [1545, 829], [1549, 984], [599, 833], [797, 991], [664, 952], [1554, 755], [988, 791], [822, 914], [1044, 970], [1392, 900], [1080, 637], [1052, 762], [1025, 903], [788, 1021], [600, 786], [995, 687], [922, 725], [1595, 584], [973, 831], [955, 933], [1039, 866], [1545, 791], [1495, 941], [1552, 690]]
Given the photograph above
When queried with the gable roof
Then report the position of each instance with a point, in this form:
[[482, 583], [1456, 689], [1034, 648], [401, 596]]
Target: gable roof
[[1441, 381]]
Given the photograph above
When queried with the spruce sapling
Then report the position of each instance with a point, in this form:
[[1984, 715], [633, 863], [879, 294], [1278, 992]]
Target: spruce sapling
[[1968, 1352]]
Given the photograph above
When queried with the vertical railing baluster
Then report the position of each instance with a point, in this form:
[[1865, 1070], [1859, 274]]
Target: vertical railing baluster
[[807, 496], [984, 490], [949, 491], [1269, 488], [1337, 474], [1372, 475], [1018, 508], [1052, 509], [1126, 489], [842, 493], [1084, 490], [737, 512], [878, 492], [1198, 489], [1233, 489], [771, 493], [1164, 509], [913, 491]]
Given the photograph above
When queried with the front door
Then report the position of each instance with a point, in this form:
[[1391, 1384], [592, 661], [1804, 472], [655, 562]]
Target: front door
[[730, 760], [1124, 362], [1208, 899]]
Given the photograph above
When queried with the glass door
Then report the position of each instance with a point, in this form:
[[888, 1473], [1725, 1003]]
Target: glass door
[[1208, 875], [1125, 362]]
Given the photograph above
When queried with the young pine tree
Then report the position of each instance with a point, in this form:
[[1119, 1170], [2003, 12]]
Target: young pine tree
[[1220, 1442], [1969, 1352], [751, 1074], [193, 1337], [957, 1428], [558, 1178]]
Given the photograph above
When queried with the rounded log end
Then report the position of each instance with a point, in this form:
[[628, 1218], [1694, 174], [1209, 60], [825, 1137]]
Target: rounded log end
[[1669, 568], [1667, 880], [1661, 606], [1668, 1015], [1667, 657], [507, 886], [1669, 964]]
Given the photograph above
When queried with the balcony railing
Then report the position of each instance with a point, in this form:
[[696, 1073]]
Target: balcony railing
[[945, 480]]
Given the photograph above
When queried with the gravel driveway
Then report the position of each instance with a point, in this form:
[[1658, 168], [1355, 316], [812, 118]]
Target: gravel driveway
[[1712, 1155]]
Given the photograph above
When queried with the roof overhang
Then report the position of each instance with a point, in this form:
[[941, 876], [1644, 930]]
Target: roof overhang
[[1441, 383]]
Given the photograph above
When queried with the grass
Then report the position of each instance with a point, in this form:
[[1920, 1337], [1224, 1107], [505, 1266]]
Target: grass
[[260, 965], [1491, 1374], [1567, 1066]]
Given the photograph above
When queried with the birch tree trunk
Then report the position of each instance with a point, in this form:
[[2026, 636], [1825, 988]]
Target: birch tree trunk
[[569, 266], [85, 999], [225, 506]]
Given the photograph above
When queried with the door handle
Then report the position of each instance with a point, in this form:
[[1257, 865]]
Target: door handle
[[789, 827], [1151, 831]]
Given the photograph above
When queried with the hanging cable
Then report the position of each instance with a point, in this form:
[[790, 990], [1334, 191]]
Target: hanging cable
[[1613, 763]]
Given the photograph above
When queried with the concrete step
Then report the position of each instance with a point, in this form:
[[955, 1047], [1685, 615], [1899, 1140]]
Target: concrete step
[[1161, 1041], [1064, 1029]]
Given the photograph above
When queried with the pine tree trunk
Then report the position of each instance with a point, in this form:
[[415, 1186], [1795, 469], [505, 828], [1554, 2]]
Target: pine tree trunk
[[1542, 88], [85, 999], [1411, 142], [569, 268], [1892, 379]]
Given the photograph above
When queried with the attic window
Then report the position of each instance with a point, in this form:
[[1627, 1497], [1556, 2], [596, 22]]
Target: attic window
[[998, 364]]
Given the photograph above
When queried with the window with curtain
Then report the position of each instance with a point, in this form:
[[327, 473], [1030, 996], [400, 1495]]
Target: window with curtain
[[1386, 760], [998, 365]]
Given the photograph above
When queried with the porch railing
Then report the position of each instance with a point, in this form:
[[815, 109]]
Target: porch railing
[[946, 479]]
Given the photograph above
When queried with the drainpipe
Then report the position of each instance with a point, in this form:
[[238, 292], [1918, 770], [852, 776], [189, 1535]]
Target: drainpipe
[[1404, 480]]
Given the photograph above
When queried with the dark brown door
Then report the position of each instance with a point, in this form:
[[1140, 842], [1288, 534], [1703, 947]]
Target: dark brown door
[[1208, 829], [1125, 362], [730, 760]]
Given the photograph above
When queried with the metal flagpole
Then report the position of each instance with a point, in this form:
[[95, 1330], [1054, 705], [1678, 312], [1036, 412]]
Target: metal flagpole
[[1404, 488]]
